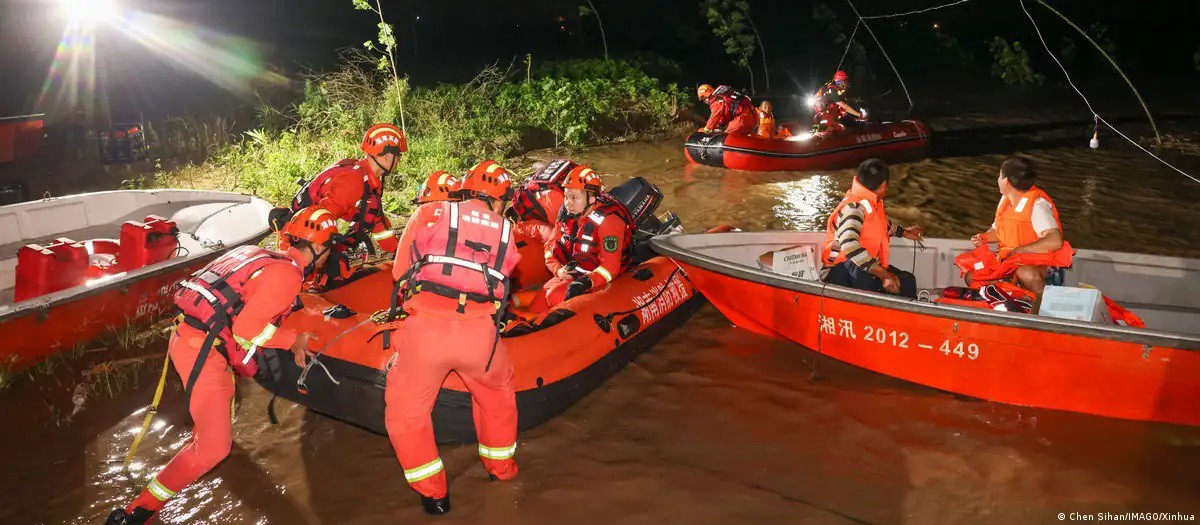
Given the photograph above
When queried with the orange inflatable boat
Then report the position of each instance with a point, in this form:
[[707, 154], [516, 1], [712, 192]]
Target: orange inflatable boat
[[558, 356]]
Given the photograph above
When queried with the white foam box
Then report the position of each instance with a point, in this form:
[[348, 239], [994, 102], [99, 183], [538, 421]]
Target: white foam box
[[800, 261], [1079, 304]]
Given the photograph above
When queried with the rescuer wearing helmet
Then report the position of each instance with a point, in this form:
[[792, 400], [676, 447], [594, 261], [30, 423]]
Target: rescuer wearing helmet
[[235, 306], [728, 109], [452, 269], [831, 112], [594, 244], [352, 190]]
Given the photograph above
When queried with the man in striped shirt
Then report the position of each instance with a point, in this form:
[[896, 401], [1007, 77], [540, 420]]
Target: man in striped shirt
[[858, 237]]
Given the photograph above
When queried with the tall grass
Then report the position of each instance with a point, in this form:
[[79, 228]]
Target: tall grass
[[498, 114]]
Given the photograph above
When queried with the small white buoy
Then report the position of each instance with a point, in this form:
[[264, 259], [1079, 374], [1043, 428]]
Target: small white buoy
[[1095, 142]]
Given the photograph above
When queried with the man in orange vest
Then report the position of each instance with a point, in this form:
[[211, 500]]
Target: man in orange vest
[[452, 266], [594, 243], [235, 306], [352, 189], [1026, 227], [858, 237], [728, 109], [766, 123]]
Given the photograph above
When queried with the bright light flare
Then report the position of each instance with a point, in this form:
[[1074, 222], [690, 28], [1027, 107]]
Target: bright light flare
[[89, 12], [812, 101]]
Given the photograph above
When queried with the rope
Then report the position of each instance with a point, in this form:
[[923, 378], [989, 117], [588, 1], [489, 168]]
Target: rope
[[158, 392], [1088, 103], [300, 381], [919, 11], [885, 55], [849, 42], [820, 334]]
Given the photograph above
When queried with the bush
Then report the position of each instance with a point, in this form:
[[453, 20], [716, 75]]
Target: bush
[[1011, 64], [450, 126]]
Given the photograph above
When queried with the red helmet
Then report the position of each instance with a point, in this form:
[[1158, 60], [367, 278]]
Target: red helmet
[[840, 76], [583, 178], [313, 224], [384, 138], [704, 91], [488, 178], [438, 187]]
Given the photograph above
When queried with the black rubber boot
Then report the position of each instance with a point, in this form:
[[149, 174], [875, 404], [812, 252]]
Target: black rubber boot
[[436, 506], [139, 516]]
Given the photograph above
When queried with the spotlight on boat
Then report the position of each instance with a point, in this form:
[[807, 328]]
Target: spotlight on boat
[[811, 101], [800, 137]]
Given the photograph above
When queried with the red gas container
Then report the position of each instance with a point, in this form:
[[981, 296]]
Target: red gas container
[[50, 268], [148, 242]]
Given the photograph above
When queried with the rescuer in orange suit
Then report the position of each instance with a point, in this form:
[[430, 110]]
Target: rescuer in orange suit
[[234, 306], [538, 202], [728, 109], [352, 190], [595, 241], [452, 267]]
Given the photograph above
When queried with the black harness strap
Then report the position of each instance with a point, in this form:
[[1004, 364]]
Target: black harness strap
[[451, 237]]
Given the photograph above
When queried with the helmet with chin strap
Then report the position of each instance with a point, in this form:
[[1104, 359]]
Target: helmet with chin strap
[[314, 227]]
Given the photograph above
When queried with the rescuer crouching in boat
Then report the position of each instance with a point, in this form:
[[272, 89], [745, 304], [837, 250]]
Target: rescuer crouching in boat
[[858, 237], [729, 110], [453, 268], [1028, 231], [594, 244], [235, 305], [352, 190], [832, 113]]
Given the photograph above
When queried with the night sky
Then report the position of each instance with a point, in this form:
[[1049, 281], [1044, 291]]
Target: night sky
[[454, 38]]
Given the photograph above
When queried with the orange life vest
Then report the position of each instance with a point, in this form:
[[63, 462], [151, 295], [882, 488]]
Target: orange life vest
[[468, 257], [766, 125], [210, 299], [874, 236], [577, 241], [369, 209], [541, 196], [1014, 227]]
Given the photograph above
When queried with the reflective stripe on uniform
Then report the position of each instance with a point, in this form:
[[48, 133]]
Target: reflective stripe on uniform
[[414, 475], [249, 346], [442, 259], [262, 338], [603, 273], [159, 492], [498, 452], [867, 205], [383, 235], [208, 296]]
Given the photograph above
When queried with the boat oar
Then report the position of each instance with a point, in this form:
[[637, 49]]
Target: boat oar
[[158, 392]]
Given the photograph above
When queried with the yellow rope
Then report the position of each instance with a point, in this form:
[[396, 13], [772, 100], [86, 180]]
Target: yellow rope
[[162, 382]]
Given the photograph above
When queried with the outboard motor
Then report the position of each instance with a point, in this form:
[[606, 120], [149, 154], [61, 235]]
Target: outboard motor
[[642, 198]]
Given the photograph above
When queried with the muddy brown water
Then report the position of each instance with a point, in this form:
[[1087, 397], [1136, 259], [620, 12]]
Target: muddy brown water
[[714, 424]]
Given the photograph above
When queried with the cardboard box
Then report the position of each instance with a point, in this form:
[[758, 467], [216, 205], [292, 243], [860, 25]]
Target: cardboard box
[[800, 261], [1079, 304]]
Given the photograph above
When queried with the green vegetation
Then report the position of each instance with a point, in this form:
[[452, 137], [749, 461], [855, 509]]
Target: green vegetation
[[451, 126], [731, 24], [1011, 64]]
